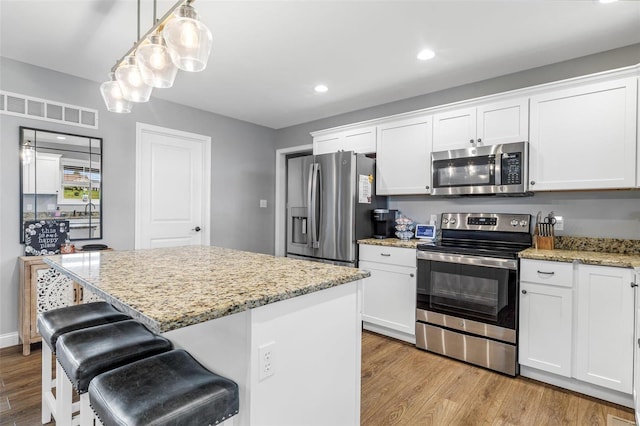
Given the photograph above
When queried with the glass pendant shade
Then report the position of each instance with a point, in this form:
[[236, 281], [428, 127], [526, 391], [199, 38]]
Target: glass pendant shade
[[133, 87], [189, 40], [155, 63], [113, 97]]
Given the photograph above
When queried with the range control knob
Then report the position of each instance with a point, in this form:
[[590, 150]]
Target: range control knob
[[445, 220], [514, 222], [523, 223], [452, 221]]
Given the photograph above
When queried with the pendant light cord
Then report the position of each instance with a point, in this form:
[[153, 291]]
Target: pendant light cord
[[138, 39]]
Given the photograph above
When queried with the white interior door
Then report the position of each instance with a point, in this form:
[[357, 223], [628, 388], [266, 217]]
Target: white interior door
[[173, 187]]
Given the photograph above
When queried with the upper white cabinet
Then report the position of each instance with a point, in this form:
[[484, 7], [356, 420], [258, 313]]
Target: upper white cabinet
[[584, 137], [361, 140], [403, 158], [43, 169], [486, 124], [605, 320]]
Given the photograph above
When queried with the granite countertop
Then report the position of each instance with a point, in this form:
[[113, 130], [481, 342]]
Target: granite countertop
[[587, 257], [391, 242], [171, 288]]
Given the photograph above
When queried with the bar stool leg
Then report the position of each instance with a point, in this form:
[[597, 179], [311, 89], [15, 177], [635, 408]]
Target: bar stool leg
[[86, 412], [48, 400], [64, 398]]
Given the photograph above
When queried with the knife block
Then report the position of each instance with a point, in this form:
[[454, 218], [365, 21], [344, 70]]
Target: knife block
[[544, 243]]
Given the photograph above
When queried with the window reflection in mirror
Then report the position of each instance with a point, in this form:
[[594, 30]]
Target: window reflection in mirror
[[61, 179]]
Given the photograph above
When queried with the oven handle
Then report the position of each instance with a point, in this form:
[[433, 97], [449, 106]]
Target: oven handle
[[492, 262]]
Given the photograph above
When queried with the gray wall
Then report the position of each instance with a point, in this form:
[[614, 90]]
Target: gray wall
[[243, 159], [598, 214]]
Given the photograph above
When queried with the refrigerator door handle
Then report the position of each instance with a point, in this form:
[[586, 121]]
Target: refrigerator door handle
[[313, 204], [310, 203], [317, 214]]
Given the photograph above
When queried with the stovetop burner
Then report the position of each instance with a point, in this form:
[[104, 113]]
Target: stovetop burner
[[482, 234]]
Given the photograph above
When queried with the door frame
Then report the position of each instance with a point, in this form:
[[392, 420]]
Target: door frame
[[206, 173], [280, 248]]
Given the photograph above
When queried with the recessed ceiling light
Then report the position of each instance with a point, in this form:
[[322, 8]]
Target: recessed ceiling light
[[426, 54], [60, 137], [608, 1], [321, 88]]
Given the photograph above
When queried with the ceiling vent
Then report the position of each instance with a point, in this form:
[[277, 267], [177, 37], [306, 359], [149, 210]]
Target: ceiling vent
[[43, 109]]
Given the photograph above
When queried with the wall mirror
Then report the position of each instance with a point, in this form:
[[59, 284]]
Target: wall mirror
[[61, 179]]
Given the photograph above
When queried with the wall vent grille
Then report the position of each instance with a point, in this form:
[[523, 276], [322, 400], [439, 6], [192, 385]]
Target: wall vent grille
[[46, 110]]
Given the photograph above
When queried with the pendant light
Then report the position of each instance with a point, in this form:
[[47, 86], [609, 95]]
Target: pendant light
[[188, 39], [155, 64], [113, 97], [129, 77]]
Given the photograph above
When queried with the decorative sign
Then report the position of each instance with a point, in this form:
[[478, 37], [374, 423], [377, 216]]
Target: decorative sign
[[45, 237]]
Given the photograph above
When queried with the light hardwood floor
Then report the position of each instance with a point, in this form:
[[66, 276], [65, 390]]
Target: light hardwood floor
[[401, 385]]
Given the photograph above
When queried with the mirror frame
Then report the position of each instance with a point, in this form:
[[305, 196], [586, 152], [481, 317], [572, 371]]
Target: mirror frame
[[90, 141]]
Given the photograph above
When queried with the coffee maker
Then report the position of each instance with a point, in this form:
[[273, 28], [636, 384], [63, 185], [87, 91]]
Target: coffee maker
[[384, 223]]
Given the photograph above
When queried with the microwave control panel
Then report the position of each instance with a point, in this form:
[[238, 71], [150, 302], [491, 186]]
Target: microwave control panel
[[511, 168]]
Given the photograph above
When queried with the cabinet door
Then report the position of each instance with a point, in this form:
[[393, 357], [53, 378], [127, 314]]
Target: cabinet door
[[42, 175], [454, 129], [503, 122], [545, 328], [403, 158], [360, 141], [604, 339], [327, 143], [584, 137], [389, 297]]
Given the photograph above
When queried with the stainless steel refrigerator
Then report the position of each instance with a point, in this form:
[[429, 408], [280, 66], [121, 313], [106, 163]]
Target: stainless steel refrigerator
[[330, 198]]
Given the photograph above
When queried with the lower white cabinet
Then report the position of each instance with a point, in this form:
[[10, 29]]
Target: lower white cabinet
[[577, 322], [604, 331], [389, 294]]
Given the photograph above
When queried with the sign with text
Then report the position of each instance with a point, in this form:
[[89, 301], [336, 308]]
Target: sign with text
[[45, 237]]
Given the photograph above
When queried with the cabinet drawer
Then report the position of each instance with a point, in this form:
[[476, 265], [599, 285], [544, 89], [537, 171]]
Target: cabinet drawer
[[390, 255], [546, 272]]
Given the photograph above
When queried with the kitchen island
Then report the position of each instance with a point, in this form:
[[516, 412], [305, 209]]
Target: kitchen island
[[287, 331]]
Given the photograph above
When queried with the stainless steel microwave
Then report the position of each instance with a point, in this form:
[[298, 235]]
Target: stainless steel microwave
[[501, 169]]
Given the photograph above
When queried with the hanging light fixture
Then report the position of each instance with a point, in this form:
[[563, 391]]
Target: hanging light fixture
[[155, 64], [27, 152], [129, 77], [188, 39], [153, 61], [113, 97]]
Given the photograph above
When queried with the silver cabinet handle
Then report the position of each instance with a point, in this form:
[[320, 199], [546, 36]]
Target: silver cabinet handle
[[479, 140], [524, 291], [471, 141], [633, 284], [426, 187], [546, 273], [385, 254]]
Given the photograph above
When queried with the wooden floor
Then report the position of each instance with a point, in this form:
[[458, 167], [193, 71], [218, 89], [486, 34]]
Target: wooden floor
[[401, 385]]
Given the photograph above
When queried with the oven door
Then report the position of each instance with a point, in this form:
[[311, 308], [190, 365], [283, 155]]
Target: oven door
[[483, 290]]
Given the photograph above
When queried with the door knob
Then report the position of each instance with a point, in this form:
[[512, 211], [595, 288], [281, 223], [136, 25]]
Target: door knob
[[197, 229], [533, 182], [524, 291]]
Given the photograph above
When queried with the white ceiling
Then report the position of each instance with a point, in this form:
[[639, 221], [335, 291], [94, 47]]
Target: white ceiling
[[268, 55]]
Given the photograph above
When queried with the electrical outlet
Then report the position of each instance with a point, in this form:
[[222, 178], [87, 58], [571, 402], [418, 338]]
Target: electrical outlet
[[559, 226], [263, 204], [267, 360], [29, 207]]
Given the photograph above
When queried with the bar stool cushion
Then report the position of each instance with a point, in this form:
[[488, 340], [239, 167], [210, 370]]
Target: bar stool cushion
[[167, 389], [52, 324], [83, 354]]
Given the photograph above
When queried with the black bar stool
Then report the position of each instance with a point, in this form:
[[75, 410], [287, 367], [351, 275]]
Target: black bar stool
[[85, 353], [51, 325], [167, 389]]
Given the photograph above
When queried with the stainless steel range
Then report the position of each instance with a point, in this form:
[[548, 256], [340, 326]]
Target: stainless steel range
[[467, 292]]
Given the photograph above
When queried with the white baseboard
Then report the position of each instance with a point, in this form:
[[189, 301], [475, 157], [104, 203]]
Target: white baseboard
[[409, 338], [9, 339]]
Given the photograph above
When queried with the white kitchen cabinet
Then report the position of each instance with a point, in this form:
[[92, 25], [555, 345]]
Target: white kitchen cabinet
[[605, 326], [584, 137], [389, 294], [486, 124], [546, 316], [361, 140], [403, 158], [42, 174]]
